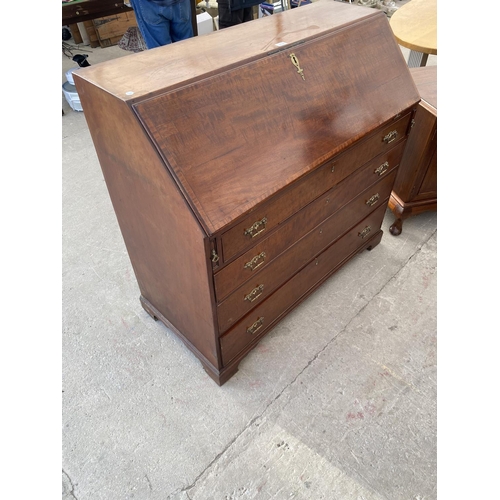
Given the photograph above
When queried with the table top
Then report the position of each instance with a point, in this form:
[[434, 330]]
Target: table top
[[415, 26]]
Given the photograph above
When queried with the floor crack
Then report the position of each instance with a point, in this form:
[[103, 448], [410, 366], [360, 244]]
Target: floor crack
[[290, 384], [418, 250], [149, 482], [72, 490]]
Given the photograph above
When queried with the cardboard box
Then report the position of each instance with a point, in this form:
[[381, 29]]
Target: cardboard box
[[110, 29]]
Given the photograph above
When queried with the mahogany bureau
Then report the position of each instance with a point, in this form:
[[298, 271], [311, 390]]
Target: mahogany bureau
[[246, 166], [415, 188]]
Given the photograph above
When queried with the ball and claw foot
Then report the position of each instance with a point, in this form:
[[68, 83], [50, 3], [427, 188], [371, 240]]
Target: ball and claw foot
[[397, 227]]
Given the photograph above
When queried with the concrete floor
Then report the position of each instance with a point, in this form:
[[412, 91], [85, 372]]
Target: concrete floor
[[337, 402]]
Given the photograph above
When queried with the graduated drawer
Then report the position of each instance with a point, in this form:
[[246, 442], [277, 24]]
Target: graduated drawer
[[262, 254], [265, 315], [273, 212], [267, 280]]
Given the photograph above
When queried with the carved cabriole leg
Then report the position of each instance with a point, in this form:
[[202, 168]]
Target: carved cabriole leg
[[397, 227], [400, 211]]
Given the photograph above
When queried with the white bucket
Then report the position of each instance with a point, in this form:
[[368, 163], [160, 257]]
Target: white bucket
[[72, 96], [69, 74]]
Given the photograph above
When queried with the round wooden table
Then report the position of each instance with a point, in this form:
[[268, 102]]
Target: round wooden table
[[415, 27]]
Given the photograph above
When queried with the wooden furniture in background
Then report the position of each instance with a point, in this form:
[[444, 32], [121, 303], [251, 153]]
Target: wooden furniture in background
[[87, 10], [246, 167], [75, 33], [415, 27], [415, 189]]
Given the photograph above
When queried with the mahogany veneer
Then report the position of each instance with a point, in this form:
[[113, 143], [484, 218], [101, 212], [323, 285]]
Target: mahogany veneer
[[247, 166]]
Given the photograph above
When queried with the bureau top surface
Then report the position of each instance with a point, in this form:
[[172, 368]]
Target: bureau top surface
[[137, 75], [425, 79], [240, 114]]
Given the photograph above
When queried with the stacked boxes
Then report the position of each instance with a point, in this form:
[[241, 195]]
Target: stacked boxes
[[108, 31]]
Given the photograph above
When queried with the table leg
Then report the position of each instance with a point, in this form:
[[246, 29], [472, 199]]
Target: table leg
[[417, 59]]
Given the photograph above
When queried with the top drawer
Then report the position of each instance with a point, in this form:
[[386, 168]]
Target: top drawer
[[268, 215]]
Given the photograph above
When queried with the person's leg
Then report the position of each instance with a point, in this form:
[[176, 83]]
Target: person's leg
[[181, 26], [247, 14], [155, 28], [229, 17]]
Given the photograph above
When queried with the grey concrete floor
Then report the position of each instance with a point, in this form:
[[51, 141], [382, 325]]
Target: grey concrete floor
[[337, 402]]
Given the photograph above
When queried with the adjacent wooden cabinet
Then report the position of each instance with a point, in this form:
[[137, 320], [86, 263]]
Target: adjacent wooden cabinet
[[415, 189], [246, 166]]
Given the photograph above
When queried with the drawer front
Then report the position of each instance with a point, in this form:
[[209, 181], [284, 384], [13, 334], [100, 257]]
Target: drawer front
[[264, 316], [260, 222], [262, 254], [267, 280]]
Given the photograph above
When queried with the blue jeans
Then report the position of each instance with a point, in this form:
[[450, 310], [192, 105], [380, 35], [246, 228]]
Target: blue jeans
[[163, 21]]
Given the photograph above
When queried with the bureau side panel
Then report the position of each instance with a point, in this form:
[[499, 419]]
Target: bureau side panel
[[164, 241], [425, 78], [416, 156], [428, 187]]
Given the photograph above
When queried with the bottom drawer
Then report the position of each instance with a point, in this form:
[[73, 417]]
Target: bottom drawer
[[255, 324]]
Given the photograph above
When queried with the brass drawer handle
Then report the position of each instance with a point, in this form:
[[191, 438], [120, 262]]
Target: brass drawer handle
[[254, 263], [374, 199], [254, 230], [365, 231], [255, 293], [382, 169], [391, 136], [258, 324]]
